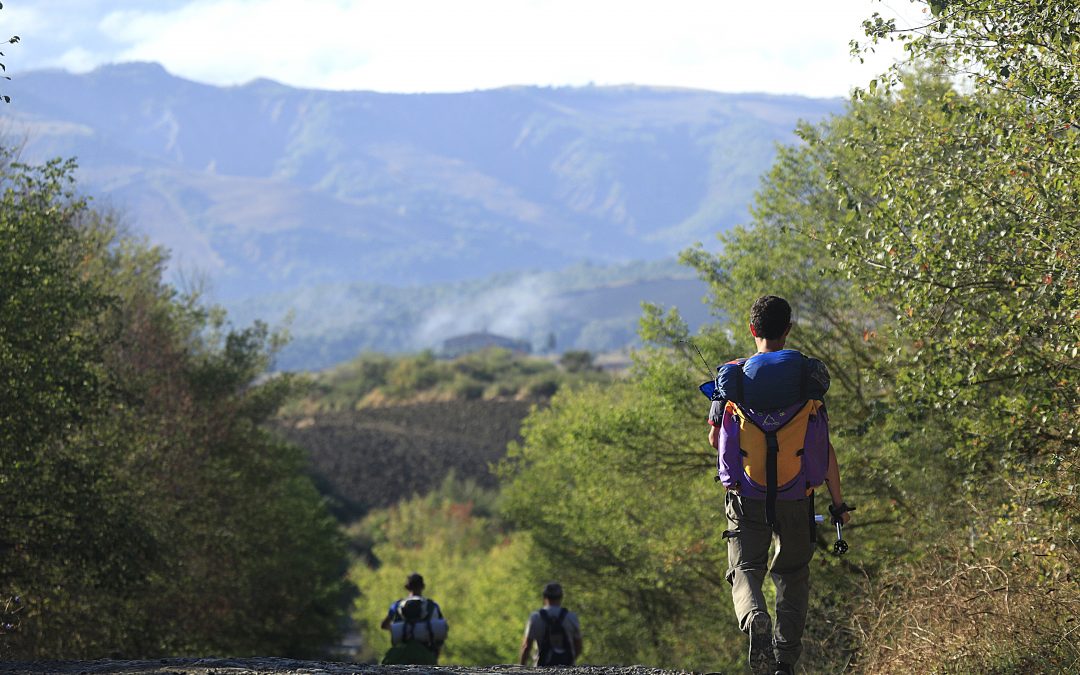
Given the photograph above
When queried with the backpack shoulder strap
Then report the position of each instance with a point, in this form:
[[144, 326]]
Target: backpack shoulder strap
[[804, 378], [552, 620]]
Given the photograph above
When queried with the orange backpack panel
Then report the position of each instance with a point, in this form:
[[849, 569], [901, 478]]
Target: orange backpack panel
[[790, 435]]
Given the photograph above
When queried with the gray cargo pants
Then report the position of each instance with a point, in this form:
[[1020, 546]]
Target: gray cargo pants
[[748, 553]]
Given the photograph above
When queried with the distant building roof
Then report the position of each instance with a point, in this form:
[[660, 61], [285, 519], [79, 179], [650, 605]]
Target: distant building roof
[[460, 345]]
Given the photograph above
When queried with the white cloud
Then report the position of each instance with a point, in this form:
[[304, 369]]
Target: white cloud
[[783, 46], [76, 60]]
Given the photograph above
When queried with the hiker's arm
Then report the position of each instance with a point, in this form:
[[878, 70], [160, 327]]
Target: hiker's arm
[[716, 417], [832, 479], [526, 647], [385, 623], [577, 647]]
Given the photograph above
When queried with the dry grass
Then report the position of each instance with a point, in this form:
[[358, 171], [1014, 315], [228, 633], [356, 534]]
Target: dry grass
[[1009, 614]]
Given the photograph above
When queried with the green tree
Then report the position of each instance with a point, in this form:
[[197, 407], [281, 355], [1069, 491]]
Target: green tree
[[145, 510], [962, 214], [576, 361], [251, 561], [947, 206], [613, 485], [68, 527], [964, 198]]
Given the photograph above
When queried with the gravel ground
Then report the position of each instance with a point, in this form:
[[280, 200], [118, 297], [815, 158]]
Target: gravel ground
[[268, 666]]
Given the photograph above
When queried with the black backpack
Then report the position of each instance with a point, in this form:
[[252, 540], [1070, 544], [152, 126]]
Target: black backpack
[[416, 610], [555, 646]]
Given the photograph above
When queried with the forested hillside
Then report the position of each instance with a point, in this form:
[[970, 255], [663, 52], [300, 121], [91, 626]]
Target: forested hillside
[[266, 188], [376, 457], [382, 429], [145, 511]]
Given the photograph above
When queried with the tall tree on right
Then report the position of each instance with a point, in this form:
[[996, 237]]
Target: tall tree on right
[[958, 174]]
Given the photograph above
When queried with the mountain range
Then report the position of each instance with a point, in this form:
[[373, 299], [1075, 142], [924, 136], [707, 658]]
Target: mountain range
[[270, 193]]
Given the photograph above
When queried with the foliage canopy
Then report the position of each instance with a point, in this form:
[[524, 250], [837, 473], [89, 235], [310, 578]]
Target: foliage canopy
[[145, 510]]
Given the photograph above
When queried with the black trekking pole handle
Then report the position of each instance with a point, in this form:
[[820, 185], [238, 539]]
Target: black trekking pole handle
[[836, 511]]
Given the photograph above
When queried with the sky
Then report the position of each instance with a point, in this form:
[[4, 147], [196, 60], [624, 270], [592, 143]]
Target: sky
[[777, 46]]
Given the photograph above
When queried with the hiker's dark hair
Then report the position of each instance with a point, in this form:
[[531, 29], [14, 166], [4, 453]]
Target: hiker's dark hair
[[552, 591], [770, 316]]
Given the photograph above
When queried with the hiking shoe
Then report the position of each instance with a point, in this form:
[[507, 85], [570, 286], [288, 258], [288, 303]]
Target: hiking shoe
[[762, 660], [784, 669]]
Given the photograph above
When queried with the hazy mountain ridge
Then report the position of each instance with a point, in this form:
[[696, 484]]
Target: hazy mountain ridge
[[267, 187], [390, 221]]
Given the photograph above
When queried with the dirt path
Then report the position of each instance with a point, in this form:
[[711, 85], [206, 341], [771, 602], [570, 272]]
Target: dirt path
[[270, 666]]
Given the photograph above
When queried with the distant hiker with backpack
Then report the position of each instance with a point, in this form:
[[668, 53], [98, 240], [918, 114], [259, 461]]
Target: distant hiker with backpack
[[555, 630], [771, 432], [417, 627]]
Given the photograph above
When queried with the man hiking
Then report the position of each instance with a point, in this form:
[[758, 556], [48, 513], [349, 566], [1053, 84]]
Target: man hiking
[[417, 627], [555, 630], [771, 432]]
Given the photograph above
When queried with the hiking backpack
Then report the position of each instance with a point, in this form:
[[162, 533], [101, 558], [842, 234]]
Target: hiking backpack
[[772, 447], [415, 633], [772, 450], [416, 620], [555, 645]]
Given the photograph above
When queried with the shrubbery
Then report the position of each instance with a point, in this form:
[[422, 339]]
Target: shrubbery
[[144, 509], [373, 380]]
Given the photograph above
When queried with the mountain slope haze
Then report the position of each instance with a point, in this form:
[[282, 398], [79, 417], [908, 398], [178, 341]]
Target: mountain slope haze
[[264, 187]]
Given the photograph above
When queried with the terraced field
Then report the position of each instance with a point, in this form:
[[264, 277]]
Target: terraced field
[[374, 457]]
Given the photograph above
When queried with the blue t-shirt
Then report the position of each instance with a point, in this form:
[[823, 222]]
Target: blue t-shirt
[[773, 379]]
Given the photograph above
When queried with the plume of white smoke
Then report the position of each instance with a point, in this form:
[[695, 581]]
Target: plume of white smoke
[[515, 310]]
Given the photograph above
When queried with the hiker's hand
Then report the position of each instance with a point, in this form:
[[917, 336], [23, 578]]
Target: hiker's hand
[[841, 513]]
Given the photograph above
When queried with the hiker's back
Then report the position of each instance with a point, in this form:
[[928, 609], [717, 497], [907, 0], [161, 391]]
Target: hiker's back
[[554, 629], [417, 631], [775, 430]]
